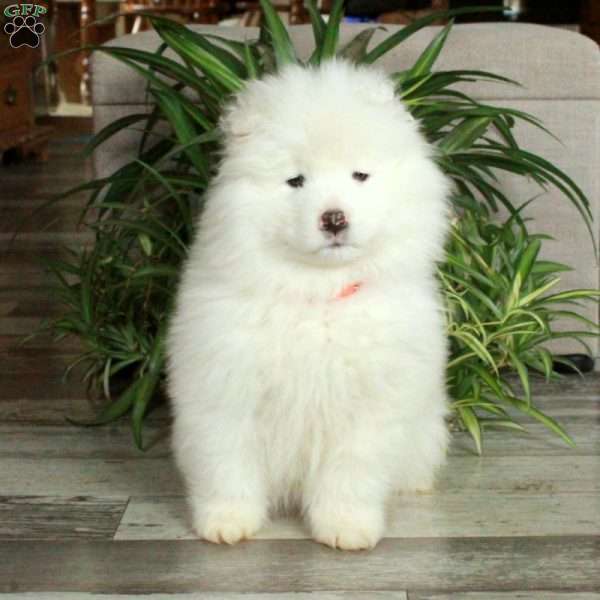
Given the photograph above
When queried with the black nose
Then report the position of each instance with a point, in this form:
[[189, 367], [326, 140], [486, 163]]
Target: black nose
[[333, 221]]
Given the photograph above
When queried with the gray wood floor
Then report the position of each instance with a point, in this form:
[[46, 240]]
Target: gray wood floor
[[83, 515]]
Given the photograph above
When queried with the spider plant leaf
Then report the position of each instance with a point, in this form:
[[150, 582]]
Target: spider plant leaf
[[203, 59], [426, 60], [471, 423], [546, 266], [569, 314], [490, 407], [318, 28], [437, 83], [235, 46], [152, 231], [403, 34], [455, 261], [523, 373], [547, 361], [153, 118], [281, 42], [332, 31], [459, 75], [152, 271], [252, 66], [171, 106], [549, 422], [475, 346], [111, 129], [356, 48], [226, 58], [166, 157], [145, 243], [144, 392], [528, 299], [463, 135], [86, 290], [587, 294], [113, 410], [523, 270], [477, 293], [493, 383], [500, 424]]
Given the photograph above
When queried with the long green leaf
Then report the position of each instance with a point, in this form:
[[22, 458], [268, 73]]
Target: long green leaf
[[183, 128], [318, 28], [425, 62], [226, 58], [210, 65], [280, 38], [463, 135], [113, 410], [111, 129], [471, 422], [549, 422], [332, 31], [356, 49]]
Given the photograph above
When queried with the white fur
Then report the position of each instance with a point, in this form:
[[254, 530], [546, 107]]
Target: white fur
[[283, 395]]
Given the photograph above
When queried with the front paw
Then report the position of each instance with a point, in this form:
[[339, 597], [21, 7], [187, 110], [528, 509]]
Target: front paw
[[228, 521], [348, 528]]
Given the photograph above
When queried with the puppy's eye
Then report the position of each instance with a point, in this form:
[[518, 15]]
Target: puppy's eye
[[359, 176], [296, 182]]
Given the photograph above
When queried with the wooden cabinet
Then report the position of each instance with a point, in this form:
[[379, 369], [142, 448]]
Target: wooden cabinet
[[17, 126], [15, 95], [590, 19]]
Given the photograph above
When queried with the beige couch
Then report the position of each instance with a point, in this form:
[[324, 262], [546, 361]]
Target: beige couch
[[560, 76]]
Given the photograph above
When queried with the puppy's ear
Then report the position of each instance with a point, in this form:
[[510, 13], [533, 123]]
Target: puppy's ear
[[240, 118], [376, 87], [382, 92]]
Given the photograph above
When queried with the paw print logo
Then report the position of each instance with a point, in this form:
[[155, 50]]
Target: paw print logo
[[24, 31]]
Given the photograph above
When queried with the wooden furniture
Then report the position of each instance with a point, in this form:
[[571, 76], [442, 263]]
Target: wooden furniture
[[590, 19], [191, 11], [18, 131], [251, 13], [403, 17], [209, 11]]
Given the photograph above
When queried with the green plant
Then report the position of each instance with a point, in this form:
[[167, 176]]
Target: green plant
[[501, 309]]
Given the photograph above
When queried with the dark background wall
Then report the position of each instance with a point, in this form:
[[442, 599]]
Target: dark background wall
[[539, 11]]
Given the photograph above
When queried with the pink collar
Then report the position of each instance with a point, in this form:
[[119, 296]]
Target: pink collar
[[349, 290]]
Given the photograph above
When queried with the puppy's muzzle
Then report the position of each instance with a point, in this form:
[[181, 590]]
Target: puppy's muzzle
[[333, 221]]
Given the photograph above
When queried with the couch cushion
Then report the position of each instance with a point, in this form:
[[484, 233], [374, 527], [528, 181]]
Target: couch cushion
[[548, 62]]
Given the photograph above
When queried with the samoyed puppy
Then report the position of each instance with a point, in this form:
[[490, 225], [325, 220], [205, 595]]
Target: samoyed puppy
[[306, 355]]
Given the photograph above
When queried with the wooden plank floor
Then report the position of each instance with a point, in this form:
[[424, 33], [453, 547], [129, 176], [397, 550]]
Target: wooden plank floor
[[84, 515]]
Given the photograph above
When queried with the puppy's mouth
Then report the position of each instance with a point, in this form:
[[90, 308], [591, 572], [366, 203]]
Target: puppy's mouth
[[337, 248], [336, 241]]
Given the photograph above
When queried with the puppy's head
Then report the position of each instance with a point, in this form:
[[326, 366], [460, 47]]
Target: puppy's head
[[330, 167]]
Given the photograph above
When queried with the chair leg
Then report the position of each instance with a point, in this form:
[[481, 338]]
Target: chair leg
[[137, 24]]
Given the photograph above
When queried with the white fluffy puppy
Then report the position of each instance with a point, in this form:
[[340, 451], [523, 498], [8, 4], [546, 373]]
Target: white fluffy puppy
[[307, 349]]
